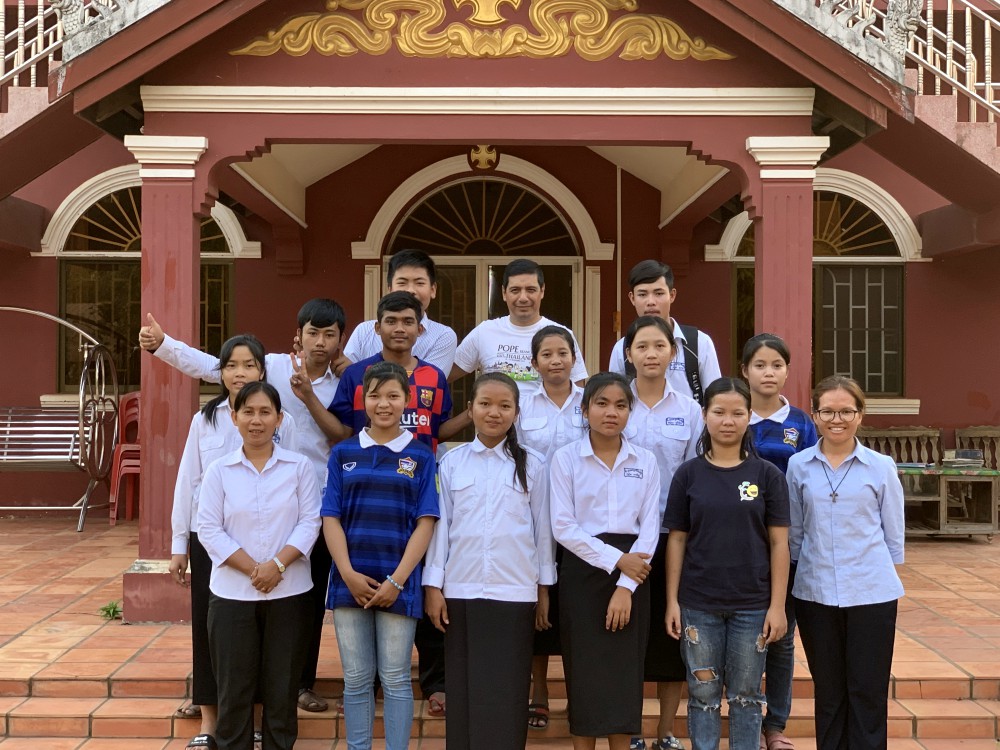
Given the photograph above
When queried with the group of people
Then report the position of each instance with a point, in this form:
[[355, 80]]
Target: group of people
[[656, 522]]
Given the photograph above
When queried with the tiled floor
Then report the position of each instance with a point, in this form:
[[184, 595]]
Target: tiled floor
[[59, 659]]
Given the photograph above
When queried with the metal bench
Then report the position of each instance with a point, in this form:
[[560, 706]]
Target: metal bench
[[81, 437]]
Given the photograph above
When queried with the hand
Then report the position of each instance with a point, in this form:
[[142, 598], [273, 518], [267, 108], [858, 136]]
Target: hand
[[178, 569], [673, 620], [362, 587], [436, 607], [385, 596], [300, 381], [542, 609], [265, 576], [619, 609], [634, 565], [340, 364], [150, 335], [775, 624]]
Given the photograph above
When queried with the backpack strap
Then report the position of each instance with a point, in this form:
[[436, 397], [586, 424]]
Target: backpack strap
[[690, 345]]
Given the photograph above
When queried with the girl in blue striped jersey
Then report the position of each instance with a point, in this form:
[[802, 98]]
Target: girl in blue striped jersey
[[379, 510]]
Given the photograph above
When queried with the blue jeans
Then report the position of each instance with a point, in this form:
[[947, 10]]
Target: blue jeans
[[723, 649], [370, 639], [779, 669]]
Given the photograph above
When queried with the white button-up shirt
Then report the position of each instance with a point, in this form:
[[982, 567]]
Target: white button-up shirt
[[205, 443], [437, 344], [260, 513], [311, 442], [846, 549], [493, 541], [669, 430], [589, 499], [708, 361], [544, 426]]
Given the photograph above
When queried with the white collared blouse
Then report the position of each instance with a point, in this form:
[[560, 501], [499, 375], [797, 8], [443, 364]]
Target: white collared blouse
[[205, 443], [588, 498], [260, 512], [544, 426], [493, 540]]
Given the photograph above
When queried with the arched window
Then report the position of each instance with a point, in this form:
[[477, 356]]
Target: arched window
[[861, 239], [97, 236]]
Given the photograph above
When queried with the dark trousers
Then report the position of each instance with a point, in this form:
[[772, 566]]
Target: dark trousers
[[320, 563], [849, 650], [430, 657], [203, 689], [488, 645], [258, 648]]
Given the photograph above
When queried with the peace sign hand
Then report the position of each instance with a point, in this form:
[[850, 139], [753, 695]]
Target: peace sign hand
[[300, 381]]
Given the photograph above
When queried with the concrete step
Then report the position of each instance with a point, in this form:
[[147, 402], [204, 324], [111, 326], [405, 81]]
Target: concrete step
[[152, 718]]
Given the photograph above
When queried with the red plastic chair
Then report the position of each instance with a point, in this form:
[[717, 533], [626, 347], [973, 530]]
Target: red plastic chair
[[127, 459]]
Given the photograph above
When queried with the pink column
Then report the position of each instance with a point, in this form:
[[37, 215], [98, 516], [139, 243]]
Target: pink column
[[171, 292], [783, 238]]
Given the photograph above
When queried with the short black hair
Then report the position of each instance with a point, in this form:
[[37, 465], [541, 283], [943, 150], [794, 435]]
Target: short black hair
[[258, 386], [521, 267], [415, 258], [648, 271], [397, 302], [322, 313]]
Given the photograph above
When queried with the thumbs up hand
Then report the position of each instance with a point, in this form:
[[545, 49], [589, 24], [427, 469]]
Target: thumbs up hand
[[151, 334]]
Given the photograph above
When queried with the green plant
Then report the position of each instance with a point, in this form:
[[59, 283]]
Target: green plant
[[112, 610]]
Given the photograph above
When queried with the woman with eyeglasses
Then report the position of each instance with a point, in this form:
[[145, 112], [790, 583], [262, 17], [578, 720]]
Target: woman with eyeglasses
[[847, 536]]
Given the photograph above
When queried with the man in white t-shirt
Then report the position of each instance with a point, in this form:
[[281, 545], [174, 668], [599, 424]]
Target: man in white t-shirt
[[653, 292], [504, 344], [409, 271]]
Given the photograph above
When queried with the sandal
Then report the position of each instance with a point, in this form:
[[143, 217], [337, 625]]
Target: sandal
[[538, 715], [778, 741], [435, 704], [203, 740], [310, 701], [190, 711], [258, 739], [763, 742]]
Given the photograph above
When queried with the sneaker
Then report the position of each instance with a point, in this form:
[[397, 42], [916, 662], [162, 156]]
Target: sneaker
[[668, 743], [637, 743]]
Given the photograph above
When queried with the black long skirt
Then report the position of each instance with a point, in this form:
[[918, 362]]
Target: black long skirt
[[663, 653], [547, 642], [604, 668], [487, 649]]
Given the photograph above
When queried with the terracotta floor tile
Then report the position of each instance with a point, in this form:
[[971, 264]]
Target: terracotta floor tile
[[54, 707], [37, 743], [78, 670], [111, 655], [166, 671], [956, 744], [119, 743]]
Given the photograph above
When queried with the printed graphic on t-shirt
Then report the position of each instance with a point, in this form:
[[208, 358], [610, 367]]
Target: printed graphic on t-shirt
[[512, 360], [791, 436], [748, 492], [407, 467]]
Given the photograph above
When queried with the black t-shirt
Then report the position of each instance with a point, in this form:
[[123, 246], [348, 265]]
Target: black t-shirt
[[726, 512]]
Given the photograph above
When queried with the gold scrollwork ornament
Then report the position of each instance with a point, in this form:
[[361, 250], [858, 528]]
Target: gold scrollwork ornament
[[414, 28]]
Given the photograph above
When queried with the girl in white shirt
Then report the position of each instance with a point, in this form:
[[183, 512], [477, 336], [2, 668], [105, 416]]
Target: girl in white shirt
[[605, 513], [491, 552], [668, 424], [258, 518], [212, 435], [550, 417]]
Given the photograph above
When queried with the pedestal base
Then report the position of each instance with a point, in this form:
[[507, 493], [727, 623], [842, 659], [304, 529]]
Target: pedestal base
[[152, 596]]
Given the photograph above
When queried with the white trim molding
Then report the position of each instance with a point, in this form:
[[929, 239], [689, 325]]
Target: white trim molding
[[458, 166], [167, 149], [481, 100], [892, 406], [120, 178], [373, 290], [787, 151], [592, 324], [887, 208]]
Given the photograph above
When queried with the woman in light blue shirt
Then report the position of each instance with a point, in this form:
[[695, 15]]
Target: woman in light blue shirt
[[847, 536]]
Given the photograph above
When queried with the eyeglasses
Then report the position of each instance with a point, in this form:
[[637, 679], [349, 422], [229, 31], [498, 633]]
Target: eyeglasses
[[828, 415]]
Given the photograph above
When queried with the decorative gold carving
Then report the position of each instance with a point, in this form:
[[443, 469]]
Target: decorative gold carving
[[483, 157], [413, 27]]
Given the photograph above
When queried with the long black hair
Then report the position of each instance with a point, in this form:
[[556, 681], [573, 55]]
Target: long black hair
[[256, 348], [512, 447], [717, 388], [758, 342], [644, 321], [596, 384]]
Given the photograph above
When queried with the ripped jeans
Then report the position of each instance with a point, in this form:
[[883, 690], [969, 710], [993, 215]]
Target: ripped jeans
[[724, 649]]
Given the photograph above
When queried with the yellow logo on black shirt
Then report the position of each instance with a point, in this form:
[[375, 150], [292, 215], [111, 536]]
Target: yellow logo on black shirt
[[748, 492]]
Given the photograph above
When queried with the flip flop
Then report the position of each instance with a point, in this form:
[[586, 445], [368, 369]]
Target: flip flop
[[190, 711], [310, 701], [538, 715], [435, 705], [203, 741], [258, 739], [778, 741]]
